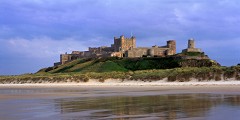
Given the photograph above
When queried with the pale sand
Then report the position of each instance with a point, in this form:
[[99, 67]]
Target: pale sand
[[55, 91], [116, 82], [117, 87]]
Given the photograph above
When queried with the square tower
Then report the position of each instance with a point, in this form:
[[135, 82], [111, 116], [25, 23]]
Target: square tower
[[123, 44]]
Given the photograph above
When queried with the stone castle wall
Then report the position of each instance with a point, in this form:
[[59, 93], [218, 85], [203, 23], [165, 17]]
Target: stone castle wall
[[154, 51], [64, 58], [126, 47]]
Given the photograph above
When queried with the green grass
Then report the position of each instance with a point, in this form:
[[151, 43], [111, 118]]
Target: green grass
[[80, 67], [65, 67], [110, 66], [107, 66], [124, 64]]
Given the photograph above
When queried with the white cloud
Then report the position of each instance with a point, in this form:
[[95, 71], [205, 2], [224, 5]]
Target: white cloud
[[42, 47], [215, 24]]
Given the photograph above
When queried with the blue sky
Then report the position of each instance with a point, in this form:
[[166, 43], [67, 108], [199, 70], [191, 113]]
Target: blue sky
[[34, 32]]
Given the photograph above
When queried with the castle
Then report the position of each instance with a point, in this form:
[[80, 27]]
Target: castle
[[126, 47]]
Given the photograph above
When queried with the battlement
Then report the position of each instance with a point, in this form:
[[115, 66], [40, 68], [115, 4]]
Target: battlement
[[122, 37], [76, 52]]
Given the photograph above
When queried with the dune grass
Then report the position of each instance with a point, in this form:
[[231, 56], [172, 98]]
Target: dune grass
[[146, 69], [175, 74]]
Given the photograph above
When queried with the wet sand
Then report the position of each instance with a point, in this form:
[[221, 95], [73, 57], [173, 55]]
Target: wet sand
[[80, 102], [75, 90]]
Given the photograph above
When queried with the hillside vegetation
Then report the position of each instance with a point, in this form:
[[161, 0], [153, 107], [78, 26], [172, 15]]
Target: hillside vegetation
[[126, 64], [145, 69], [175, 74]]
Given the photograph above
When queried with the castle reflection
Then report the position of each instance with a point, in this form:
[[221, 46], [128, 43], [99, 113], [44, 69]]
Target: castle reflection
[[168, 107]]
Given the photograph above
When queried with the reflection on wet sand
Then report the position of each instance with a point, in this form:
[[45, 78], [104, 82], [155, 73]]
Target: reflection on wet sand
[[79, 103], [169, 107]]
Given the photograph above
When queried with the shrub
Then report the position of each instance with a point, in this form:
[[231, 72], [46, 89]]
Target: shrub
[[101, 80], [229, 73]]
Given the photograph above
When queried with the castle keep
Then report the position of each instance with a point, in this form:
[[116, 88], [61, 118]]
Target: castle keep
[[126, 47]]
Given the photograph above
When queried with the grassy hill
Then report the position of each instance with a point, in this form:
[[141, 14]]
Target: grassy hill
[[147, 69], [125, 64]]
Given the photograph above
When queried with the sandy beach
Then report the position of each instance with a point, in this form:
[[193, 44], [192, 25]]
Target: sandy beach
[[122, 88]]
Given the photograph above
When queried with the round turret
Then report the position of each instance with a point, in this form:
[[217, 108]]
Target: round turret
[[151, 52], [191, 43]]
